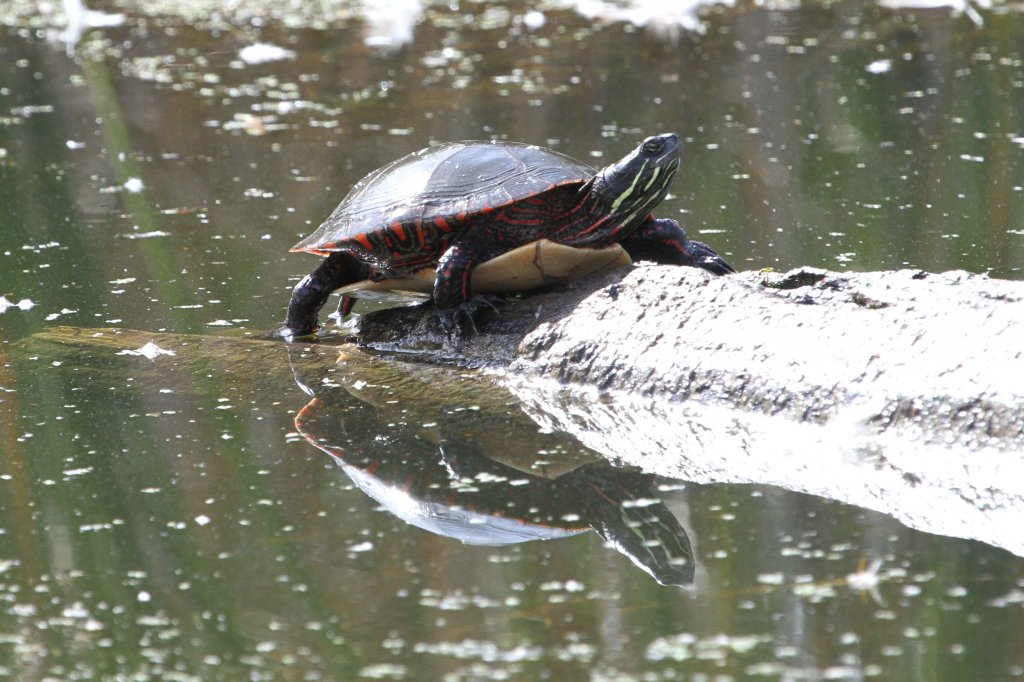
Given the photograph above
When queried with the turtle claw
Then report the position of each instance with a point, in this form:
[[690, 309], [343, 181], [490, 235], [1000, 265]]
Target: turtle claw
[[705, 257], [454, 320]]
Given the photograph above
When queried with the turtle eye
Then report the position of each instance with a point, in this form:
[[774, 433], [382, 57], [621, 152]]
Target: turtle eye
[[652, 146]]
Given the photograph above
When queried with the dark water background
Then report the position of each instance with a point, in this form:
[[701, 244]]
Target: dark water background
[[175, 527]]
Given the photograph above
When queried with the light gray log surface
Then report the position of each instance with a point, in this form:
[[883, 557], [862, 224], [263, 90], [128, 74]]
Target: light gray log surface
[[942, 354]]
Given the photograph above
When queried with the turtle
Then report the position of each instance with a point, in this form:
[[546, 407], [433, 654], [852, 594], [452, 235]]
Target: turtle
[[453, 206]]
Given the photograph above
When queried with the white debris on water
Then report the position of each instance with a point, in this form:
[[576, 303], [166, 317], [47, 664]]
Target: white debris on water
[[534, 20], [150, 350], [259, 53], [663, 21], [134, 185], [879, 66], [957, 7], [390, 24], [146, 235], [80, 19], [23, 304]]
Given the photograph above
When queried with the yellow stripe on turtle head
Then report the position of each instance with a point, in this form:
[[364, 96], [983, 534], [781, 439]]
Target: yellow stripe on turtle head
[[629, 190]]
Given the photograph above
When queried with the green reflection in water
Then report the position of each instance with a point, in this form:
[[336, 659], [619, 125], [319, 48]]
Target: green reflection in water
[[160, 515], [191, 532]]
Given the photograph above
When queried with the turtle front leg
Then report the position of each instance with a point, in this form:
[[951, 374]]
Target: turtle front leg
[[664, 241], [310, 294], [455, 303]]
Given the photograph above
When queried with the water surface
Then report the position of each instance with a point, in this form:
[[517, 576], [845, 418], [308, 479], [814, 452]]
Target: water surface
[[162, 518]]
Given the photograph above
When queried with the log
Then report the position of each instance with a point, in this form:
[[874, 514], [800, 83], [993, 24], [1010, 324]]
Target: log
[[895, 391]]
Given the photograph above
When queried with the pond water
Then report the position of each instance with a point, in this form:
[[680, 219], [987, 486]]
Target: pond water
[[164, 517]]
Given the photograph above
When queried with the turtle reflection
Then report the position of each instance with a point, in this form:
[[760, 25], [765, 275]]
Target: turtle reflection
[[455, 456]]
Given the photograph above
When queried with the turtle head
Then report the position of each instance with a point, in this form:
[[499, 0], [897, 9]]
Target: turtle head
[[629, 189]]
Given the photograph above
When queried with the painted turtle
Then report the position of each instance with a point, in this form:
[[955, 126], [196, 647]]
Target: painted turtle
[[457, 205]]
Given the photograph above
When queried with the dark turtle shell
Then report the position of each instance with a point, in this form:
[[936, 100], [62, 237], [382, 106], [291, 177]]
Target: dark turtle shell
[[449, 181]]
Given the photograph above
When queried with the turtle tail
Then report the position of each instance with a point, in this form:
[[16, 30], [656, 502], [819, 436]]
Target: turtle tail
[[338, 269]]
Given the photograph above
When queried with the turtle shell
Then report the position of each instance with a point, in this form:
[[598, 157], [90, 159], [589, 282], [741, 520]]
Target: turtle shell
[[455, 180]]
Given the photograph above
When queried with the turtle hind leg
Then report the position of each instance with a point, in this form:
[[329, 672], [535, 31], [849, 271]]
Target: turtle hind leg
[[464, 316], [664, 241], [457, 307], [337, 270]]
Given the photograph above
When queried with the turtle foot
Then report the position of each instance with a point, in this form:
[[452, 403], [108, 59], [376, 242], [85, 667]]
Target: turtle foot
[[705, 257], [663, 241], [461, 319], [289, 334]]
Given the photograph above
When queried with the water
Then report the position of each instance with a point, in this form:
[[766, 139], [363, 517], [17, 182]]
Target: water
[[162, 518]]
